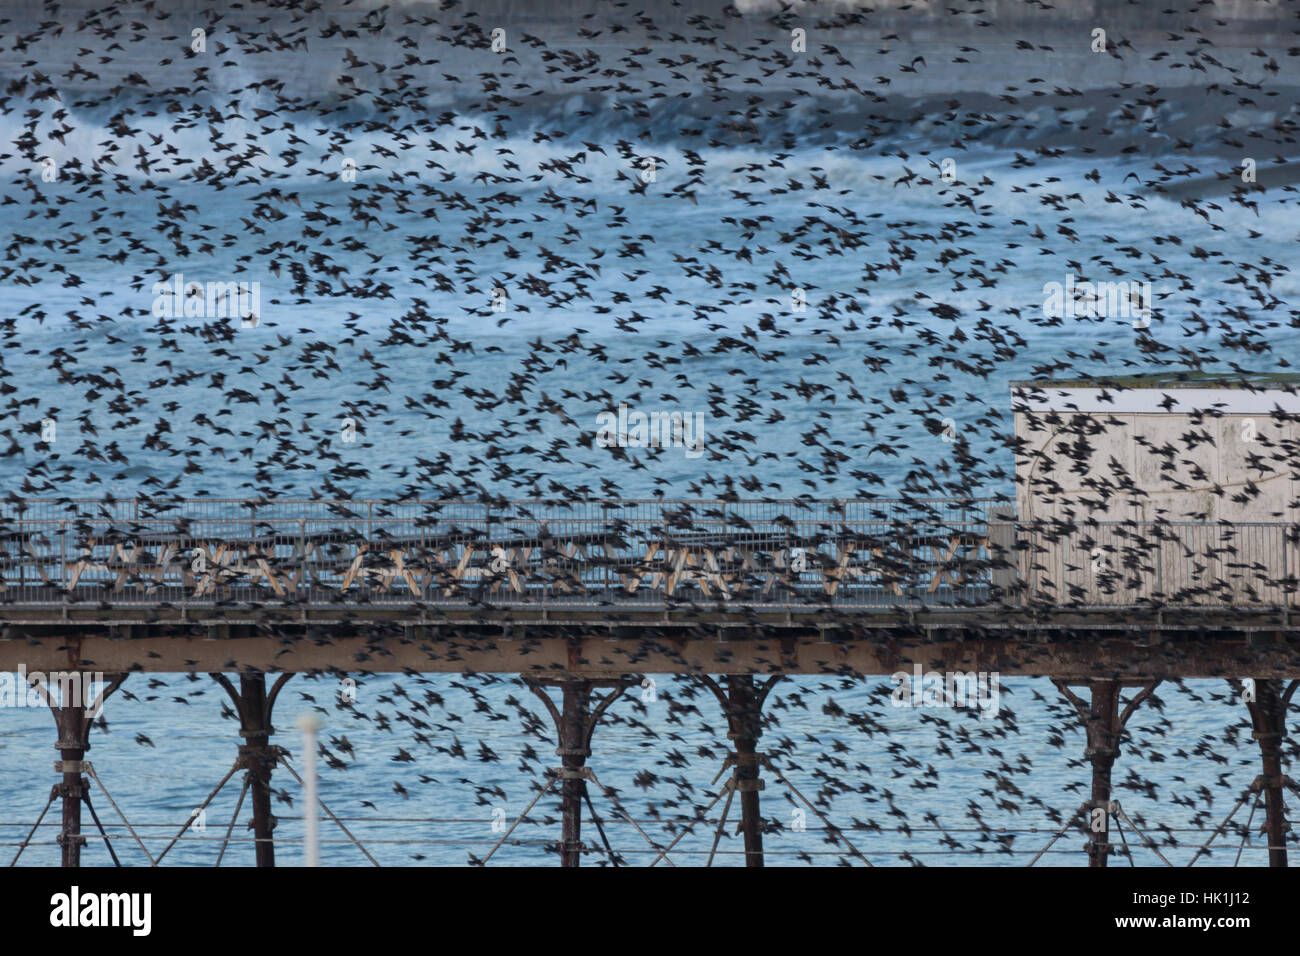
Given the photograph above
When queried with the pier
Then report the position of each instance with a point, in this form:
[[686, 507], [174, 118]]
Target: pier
[[583, 598]]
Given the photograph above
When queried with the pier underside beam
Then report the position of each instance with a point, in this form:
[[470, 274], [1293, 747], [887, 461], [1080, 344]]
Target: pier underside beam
[[605, 653]]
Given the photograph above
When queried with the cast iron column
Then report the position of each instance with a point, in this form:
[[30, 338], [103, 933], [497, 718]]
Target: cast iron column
[[1104, 724], [573, 752], [257, 755], [259, 760], [744, 717], [73, 742], [1102, 749], [575, 721], [1268, 716]]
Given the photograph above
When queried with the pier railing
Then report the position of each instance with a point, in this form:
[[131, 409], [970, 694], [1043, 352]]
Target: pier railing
[[863, 554]]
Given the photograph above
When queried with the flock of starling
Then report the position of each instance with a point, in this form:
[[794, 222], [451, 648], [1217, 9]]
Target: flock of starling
[[477, 226]]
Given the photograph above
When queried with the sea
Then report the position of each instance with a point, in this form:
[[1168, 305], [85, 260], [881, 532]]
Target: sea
[[640, 261]]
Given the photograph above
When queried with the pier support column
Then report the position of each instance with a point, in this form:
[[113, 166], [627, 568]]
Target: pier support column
[[73, 742], [257, 755], [1268, 707], [1103, 729], [746, 726], [74, 715], [1104, 723], [575, 722], [742, 704], [573, 750]]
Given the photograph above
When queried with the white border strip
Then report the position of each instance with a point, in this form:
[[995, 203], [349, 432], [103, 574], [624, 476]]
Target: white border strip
[[1153, 401]]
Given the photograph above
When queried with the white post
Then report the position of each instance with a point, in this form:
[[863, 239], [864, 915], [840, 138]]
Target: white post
[[309, 724]]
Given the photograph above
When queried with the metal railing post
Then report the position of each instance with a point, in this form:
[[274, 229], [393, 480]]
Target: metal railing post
[[1286, 592], [301, 551]]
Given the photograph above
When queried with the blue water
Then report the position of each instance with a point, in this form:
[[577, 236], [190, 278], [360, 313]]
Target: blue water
[[924, 301]]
